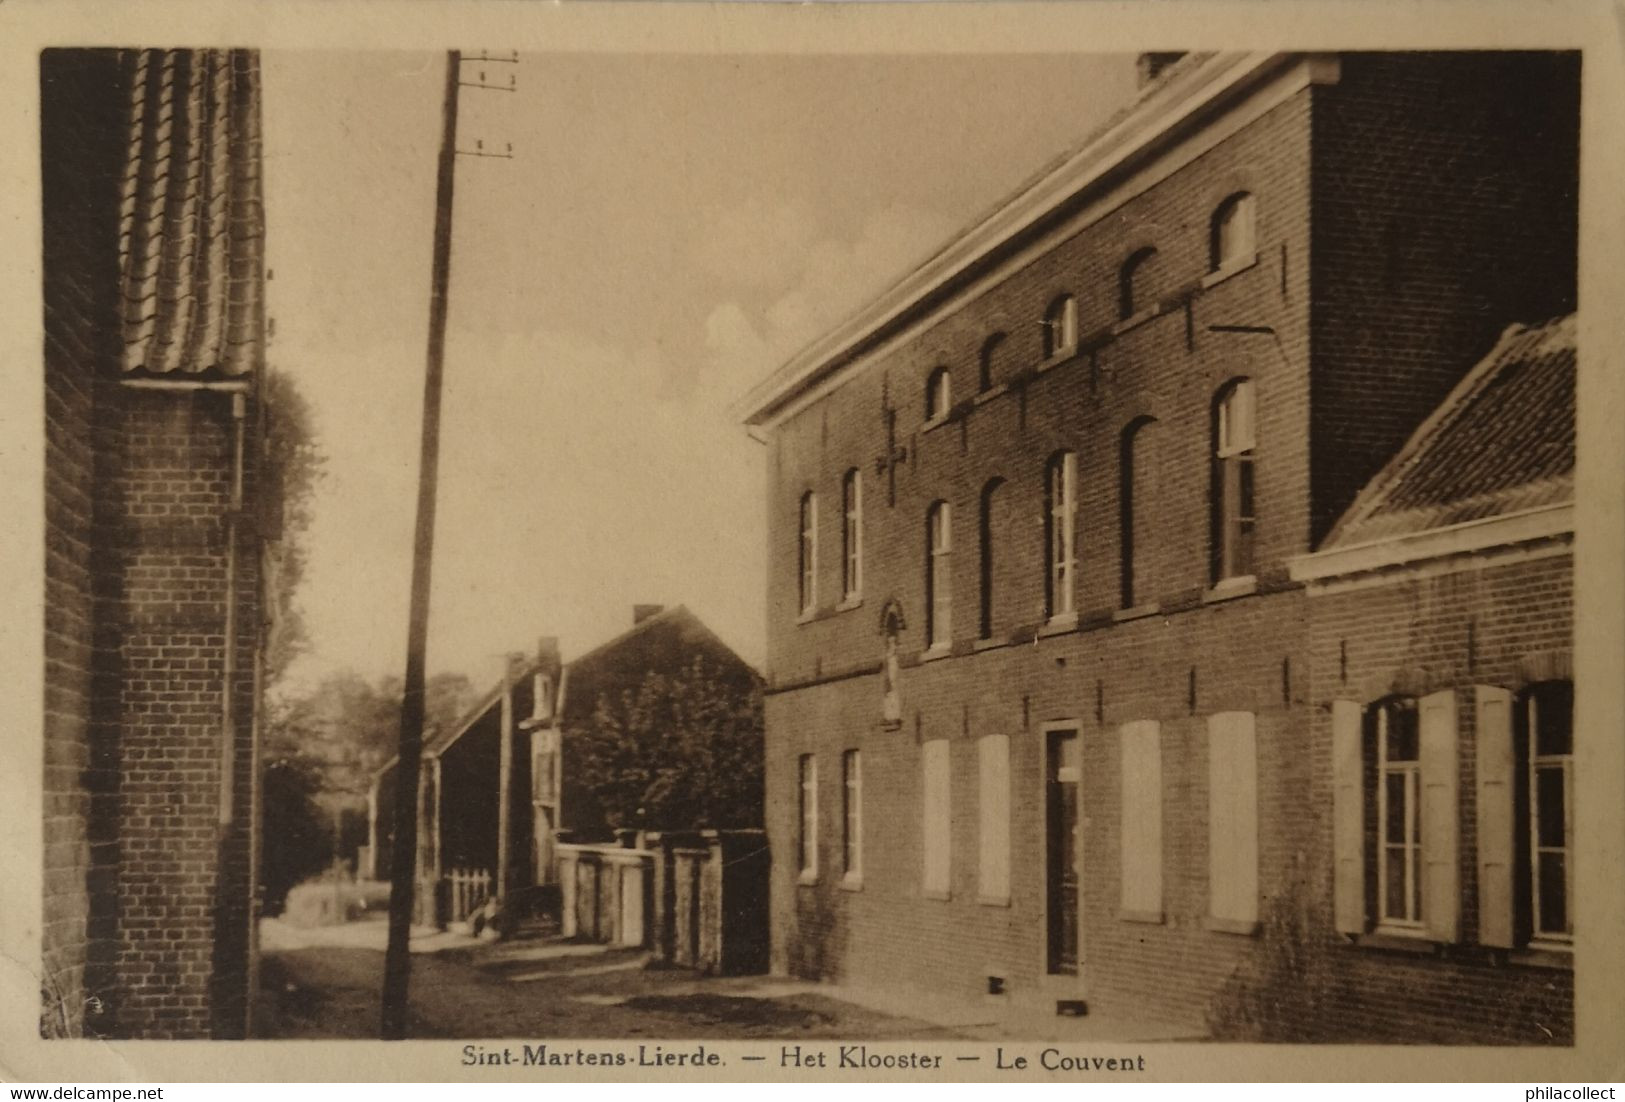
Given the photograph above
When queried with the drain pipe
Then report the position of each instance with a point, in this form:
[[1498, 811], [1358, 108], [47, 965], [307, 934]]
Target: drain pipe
[[228, 740]]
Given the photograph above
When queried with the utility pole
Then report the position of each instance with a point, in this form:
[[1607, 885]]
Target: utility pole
[[403, 859]]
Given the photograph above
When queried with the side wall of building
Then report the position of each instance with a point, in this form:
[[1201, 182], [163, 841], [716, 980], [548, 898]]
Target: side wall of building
[[1497, 626], [1446, 209], [147, 890], [1177, 665]]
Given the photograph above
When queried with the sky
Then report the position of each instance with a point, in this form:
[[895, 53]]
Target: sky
[[669, 230]]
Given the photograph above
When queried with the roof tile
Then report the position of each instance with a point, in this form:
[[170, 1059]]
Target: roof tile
[[1502, 442]]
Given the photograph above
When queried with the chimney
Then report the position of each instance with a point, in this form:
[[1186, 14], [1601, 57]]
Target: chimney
[[1152, 66], [641, 613], [544, 686], [547, 650]]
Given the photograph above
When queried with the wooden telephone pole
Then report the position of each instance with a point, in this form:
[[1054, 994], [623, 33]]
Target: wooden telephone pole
[[403, 858]]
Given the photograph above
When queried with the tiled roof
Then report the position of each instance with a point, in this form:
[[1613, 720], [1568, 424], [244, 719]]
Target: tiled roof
[[1502, 442], [191, 221]]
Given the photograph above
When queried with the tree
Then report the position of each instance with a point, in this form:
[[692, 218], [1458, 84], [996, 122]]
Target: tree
[[681, 752], [293, 468], [322, 749]]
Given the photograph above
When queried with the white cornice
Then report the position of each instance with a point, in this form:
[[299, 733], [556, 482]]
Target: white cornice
[[1399, 554], [1166, 118]]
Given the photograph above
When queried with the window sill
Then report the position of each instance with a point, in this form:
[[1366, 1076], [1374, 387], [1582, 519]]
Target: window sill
[[934, 422], [1235, 267], [993, 900], [1059, 625], [989, 394], [1056, 360], [807, 616], [1149, 918], [1244, 927], [850, 603], [1134, 321], [850, 883], [1228, 589], [1138, 612], [989, 644], [936, 651], [808, 878], [1397, 941], [1559, 957], [933, 893]]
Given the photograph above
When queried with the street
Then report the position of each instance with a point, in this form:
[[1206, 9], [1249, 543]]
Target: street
[[324, 982]]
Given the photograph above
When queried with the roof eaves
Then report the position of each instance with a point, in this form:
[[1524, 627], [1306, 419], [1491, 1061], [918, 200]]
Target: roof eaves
[[1185, 91], [1378, 489]]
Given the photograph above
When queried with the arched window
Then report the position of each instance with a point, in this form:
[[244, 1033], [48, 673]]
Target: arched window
[[809, 551], [1234, 419], [1061, 327], [1399, 811], [1136, 480], [987, 533], [852, 535], [1060, 526], [1233, 234], [1545, 752], [938, 575], [938, 394], [1132, 281], [989, 361]]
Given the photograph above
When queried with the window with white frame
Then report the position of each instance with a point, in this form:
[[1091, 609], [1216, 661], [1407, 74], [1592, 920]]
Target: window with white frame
[[939, 576], [988, 533], [1140, 804], [852, 535], [938, 394], [1399, 813], [1136, 481], [809, 552], [1547, 717], [1060, 523], [1234, 237], [1396, 816], [1232, 762], [807, 830], [852, 816], [1234, 420], [1061, 327], [993, 819], [935, 817]]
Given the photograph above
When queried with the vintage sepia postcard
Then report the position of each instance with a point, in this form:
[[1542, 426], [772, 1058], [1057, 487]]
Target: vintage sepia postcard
[[1014, 542]]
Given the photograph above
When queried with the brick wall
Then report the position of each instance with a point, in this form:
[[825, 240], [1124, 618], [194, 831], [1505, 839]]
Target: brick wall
[[1475, 627], [1195, 656], [1445, 210], [183, 883], [79, 283], [146, 902], [1098, 677]]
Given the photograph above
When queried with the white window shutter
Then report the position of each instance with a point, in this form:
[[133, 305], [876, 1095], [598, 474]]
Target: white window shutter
[[993, 813], [1141, 834], [1233, 817], [1348, 818], [1441, 814], [1497, 831], [936, 817]]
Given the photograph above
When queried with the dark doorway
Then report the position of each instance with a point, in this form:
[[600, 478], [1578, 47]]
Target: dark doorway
[[1061, 777]]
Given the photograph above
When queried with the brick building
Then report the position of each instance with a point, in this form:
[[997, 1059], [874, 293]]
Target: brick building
[[1045, 717], [499, 788], [153, 352]]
